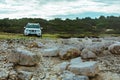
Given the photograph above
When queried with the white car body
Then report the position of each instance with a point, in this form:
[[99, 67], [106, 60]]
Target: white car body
[[32, 28]]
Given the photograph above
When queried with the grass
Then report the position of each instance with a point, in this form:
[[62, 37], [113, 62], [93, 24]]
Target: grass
[[53, 36], [21, 36], [13, 36], [109, 35]]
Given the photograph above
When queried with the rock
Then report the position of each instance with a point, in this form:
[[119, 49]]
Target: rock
[[67, 75], [81, 78], [40, 45], [13, 75], [84, 68], [87, 54], [96, 47], [23, 75], [19, 68], [47, 44], [73, 41], [86, 41], [76, 60], [69, 52], [3, 74], [110, 76], [31, 45], [99, 47], [23, 57], [51, 52], [60, 67], [63, 66], [114, 48]]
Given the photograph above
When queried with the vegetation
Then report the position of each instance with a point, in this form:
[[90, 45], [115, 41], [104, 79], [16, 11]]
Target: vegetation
[[77, 27], [21, 36]]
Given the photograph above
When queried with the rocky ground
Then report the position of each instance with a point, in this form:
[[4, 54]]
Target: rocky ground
[[60, 59]]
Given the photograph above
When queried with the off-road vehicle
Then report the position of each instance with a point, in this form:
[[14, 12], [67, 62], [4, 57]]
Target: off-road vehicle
[[33, 29]]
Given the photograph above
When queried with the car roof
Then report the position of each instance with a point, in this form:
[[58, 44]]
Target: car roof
[[33, 24]]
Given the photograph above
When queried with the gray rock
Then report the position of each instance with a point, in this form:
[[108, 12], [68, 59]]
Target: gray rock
[[85, 68], [80, 78], [13, 75], [68, 52], [63, 66], [67, 75], [23, 57], [76, 60], [86, 54], [114, 48], [3, 74], [50, 52], [24, 75]]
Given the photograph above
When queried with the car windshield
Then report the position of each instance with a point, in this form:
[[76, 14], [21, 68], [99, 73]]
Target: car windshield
[[32, 26]]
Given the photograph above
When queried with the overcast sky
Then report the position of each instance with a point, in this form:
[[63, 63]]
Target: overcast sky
[[49, 9]]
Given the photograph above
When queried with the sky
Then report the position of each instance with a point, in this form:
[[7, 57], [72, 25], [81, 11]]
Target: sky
[[50, 9]]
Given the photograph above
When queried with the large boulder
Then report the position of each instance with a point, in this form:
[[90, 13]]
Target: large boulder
[[76, 42], [23, 57], [114, 48], [87, 54], [84, 68], [69, 52], [97, 48], [50, 52]]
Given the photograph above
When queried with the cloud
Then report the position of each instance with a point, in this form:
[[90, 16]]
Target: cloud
[[50, 8]]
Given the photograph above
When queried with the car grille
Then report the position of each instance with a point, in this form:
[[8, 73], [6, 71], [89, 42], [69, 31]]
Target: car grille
[[32, 30]]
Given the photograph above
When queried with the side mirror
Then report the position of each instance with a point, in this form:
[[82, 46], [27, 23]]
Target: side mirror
[[24, 27], [41, 27]]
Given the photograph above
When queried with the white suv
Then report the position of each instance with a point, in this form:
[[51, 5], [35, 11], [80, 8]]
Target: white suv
[[33, 28]]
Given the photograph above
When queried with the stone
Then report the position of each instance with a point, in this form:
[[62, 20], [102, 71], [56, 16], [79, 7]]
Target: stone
[[110, 76], [24, 75], [80, 78], [13, 75], [50, 52], [67, 75], [73, 41], [76, 60], [19, 68], [69, 52], [114, 48], [63, 66], [95, 47], [23, 57], [84, 68], [86, 41], [3, 74], [35, 45], [60, 67], [87, 54]]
